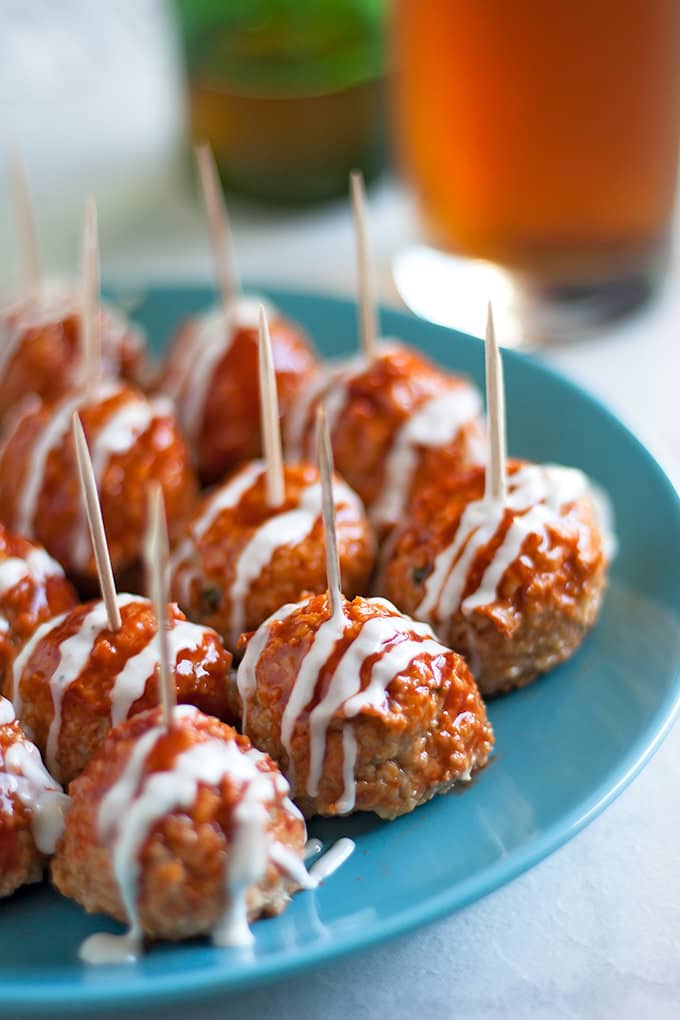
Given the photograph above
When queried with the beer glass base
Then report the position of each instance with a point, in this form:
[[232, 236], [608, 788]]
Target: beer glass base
[[454, 291]]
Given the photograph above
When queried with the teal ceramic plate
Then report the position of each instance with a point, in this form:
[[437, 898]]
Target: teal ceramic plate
[[565, 747]]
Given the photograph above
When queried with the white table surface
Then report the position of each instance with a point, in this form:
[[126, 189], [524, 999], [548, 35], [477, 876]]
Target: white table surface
[[594, 930]]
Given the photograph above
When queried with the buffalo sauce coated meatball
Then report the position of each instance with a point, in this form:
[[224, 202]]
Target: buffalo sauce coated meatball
[[513, 587], [41, 352], [181, 831], [212, 374], [364, 710], [133, 441], [32, 589], [241, 559], [32, 807], [397, 422], [75, 678]]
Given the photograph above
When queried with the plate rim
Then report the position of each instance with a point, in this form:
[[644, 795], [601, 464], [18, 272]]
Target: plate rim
[[153, 991]]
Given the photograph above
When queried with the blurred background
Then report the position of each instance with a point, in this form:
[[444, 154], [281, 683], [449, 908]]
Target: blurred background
[[528, 159], [104, 98]]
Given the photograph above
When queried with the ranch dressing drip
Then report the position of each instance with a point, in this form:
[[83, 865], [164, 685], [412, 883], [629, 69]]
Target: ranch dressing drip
[[23, 775], [38, 792], [136, 803], [332, 859], [7, 715], [206, 343], [538, 492]]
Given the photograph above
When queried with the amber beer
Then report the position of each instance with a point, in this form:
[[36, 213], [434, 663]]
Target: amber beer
[[542, 136]]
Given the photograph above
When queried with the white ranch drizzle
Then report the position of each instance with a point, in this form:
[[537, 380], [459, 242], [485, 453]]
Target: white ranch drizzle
[[538, 492], [7, 714], [132, 680], [325, 639], [125, 424], [22, 774], [54, 430], [132, 807], [313, 847], [347, 799], [332, 859], [288, 528], [208, 342], [38, 792], [435, 424], [36, 565]]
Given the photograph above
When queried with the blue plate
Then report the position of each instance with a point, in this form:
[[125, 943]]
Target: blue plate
[[565, 746]]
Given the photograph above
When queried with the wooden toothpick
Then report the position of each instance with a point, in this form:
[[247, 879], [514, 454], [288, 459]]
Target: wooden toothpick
[[95, 522], [495, 482], [25, 226], [269, 416], [90, 331], [325, 457], [368, 314], [157, 554], [219, 227]]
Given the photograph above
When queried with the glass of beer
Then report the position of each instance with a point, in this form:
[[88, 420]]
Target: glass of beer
[[542, 141]]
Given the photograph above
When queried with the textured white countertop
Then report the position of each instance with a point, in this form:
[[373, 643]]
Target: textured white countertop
[[594, 930]]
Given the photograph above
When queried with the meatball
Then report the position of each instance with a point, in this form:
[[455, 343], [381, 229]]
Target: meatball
[[397, 423], [241, 559], [75, 678], [32, 807], [365, 711], [132, 441], [513, 587], [41, 354], [181, 831], [212, 375], [32, 589]]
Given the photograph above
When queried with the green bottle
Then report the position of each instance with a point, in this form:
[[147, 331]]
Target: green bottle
[[289, 93]]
